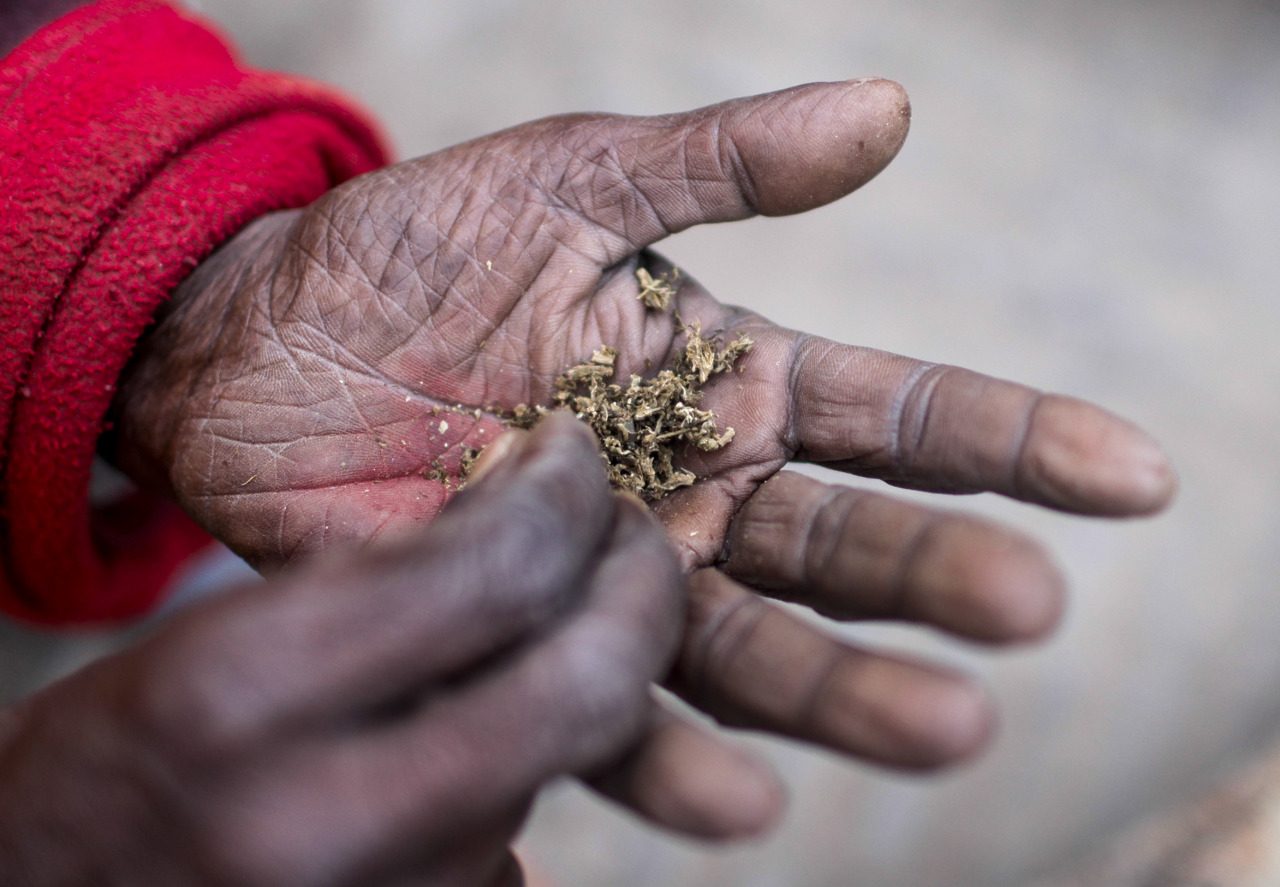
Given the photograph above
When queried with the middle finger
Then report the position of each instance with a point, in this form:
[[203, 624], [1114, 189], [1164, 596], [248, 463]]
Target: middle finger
[[855, 554]]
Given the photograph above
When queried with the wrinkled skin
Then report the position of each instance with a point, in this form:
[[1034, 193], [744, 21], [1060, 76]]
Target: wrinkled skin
[[379, 717], [287, 400]]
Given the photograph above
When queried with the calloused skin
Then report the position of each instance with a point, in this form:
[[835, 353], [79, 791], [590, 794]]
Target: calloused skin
[[308, 374], [380, 717]]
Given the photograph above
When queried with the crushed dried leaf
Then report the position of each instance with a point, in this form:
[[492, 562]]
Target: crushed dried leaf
[[641, 425], [657, 292]]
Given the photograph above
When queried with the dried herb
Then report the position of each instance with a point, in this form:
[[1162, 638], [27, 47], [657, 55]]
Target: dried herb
[[641, 425], [470, 455], [657, 292]]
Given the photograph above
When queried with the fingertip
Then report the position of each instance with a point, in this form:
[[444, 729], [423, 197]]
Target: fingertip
[[565, 454], [1028, 596], [633, 503], [913, 717], [879, 111], [731, 797], [558, 433], [1013, 592], [822, 142], [952, 722], [642, 543], [1081, 458], [506, 447], [971, 725], [1134, 469], [1155, 480], [887, 104], [694, 783], [563, 427], [754, 799]]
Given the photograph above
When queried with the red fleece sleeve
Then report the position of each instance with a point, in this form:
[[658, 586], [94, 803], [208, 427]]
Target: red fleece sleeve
[[132, 143]]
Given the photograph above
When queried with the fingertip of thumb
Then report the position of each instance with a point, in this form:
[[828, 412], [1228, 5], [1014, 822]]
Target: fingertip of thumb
[[843, 135], [883, 107]]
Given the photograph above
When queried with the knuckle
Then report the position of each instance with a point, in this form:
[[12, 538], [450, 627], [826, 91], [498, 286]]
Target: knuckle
[[909, 423], [722, 622], [829, 527], [179, 699], [728, 640]]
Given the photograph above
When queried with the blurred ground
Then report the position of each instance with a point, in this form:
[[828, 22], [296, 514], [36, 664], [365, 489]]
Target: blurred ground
[[1089, 202]]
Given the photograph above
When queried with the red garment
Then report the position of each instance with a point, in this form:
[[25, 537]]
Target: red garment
[[132, 143]]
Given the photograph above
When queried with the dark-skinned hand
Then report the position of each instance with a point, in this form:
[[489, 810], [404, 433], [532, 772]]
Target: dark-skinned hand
[[310, 372], [380, 717]]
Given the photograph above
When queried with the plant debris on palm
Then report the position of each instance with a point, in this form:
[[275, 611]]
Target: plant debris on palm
[[641, 425], [657, 292]]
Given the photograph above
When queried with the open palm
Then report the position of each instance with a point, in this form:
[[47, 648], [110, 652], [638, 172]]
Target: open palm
[[313, 377]]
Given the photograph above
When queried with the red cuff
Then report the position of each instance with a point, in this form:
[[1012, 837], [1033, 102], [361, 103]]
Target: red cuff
[[132, 143]]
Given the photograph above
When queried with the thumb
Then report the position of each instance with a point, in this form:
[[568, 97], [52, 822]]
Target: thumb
[[774, 154]]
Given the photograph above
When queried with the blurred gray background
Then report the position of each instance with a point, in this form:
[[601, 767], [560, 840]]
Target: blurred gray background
[[1089, 202]]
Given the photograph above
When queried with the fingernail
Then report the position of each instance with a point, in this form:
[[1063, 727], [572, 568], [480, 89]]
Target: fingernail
[[502, 449]]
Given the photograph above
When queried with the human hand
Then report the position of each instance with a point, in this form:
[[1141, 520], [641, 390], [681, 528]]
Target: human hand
[[289, 401], [375, 718]]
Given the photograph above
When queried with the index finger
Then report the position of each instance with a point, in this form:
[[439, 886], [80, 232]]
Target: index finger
[[946, 429]]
